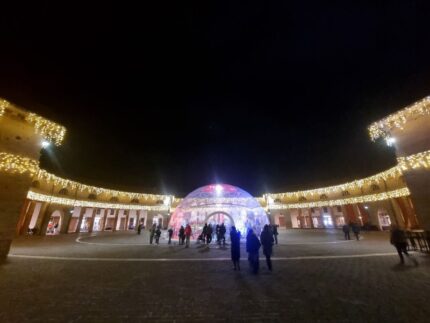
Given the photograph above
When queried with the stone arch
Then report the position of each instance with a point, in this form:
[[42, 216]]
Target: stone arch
[[219, 212], [158, 219], [55, 221]]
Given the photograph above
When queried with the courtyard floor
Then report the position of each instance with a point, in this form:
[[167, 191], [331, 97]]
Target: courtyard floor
[[119, 277]]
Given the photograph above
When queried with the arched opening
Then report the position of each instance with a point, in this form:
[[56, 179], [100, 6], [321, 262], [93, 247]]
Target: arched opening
[[218, 218], [158, 220], [55, 221], [384, 219]]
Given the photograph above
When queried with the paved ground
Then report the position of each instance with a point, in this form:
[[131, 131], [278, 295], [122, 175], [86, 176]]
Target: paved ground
[[118, 277]]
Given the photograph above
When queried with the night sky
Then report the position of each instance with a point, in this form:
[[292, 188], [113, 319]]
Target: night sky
[[266, 96]]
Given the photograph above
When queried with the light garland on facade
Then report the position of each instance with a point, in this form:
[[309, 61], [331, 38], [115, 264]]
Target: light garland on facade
[[352, 200], [92, 204], [65, 183], [15, 164], [49, 130], [420, 160], [397, 120], [357, 184], [3, 105]]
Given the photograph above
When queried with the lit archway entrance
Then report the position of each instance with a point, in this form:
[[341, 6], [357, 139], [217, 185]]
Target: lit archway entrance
[[55, 222], [217, 218]]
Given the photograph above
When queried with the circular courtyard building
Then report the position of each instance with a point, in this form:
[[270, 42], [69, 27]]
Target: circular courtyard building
[[216, 204]]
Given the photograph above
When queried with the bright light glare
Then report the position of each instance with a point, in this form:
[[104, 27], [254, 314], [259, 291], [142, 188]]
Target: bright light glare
[[390, 141], [218, 188], [366, 207], [45, 144]]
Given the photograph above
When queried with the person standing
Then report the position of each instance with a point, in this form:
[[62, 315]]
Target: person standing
[[253, 247], [188, 232], [275, 233], [209, 232], [170, 231], [398, 239], [235, 247], [152, 233], [345, 230], [202, 237], [157, 235], [356, 230], [139, 228], [222, 231], [266, 239], [181, 235]]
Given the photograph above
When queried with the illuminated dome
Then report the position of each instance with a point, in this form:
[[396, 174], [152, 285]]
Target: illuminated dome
[[216, 204]]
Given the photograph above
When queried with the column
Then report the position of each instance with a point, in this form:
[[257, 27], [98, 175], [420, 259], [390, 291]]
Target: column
[[126, 212], [67, 216], [105, 216], [115, 222], [81, 216], [93, 215], [25, 217], [311, 218]]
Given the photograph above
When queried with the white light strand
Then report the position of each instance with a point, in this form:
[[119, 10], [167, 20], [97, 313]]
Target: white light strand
[[92, 204], [352, 200]]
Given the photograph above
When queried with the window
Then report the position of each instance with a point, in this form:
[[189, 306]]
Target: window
[[325, 209], [339, 209]]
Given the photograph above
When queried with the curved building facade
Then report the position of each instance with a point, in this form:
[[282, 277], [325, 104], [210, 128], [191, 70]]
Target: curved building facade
[[36, 201]]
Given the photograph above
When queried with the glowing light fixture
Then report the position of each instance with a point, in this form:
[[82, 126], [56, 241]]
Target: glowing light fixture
[[45, 144], [218, 188], [390, 141]]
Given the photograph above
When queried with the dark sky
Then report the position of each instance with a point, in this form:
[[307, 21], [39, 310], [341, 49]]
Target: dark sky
[[168, 97]]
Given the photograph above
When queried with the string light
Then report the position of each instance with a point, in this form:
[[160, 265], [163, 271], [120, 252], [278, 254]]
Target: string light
[[420, 160], [15, 164], [49, 130], [82, 188], [397, 120], [3, 105], [82, 203], [352, 200], [393, 172]]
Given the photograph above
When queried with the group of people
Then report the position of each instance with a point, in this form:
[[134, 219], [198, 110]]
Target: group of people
[[253, 245], [355, 229], [208, 231], [184, 235]]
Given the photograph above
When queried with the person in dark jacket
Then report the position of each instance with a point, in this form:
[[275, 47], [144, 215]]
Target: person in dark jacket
[[152, 233], [345, 230], [235, 247], [170, 231], [398, 239], [252, 247], [356, 230], [139, 228], [209, 232], [181, 235], [157, 235], [266, 239], [222, 231]]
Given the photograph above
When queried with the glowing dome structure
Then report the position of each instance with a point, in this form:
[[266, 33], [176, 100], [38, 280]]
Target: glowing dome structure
[[219, 203]]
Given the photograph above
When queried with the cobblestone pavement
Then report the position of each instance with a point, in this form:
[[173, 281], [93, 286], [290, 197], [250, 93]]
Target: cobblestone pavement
[[118, 277]]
